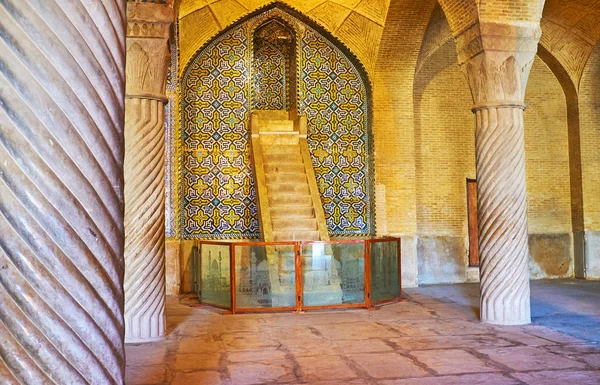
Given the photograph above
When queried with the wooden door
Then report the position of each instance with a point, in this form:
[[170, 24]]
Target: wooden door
[[473, 223]]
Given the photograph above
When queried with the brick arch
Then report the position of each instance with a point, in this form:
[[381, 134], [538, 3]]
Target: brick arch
[[437, 34], [437, 38], [575, 172], [465, 14], [571, 28], [441, 58], [393, 120], [461, 14]]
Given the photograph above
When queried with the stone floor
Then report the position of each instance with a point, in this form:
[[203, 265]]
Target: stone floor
[[433, 339]]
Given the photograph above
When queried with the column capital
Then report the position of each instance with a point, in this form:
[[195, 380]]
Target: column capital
[[151, 20], [496, 59], [148, 53]]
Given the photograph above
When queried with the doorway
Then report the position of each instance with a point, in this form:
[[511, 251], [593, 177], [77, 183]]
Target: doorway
[[473, 223]]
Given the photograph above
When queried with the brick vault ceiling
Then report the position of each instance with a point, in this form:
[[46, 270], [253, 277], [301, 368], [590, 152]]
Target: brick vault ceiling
[[357, 23]]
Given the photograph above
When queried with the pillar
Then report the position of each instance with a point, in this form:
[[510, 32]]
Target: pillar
[[148, 56], [497, 59], [61, 191]]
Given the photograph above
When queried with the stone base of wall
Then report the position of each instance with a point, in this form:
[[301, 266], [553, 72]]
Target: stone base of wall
[[185, 253], [473, 274], [551, 255], [172, 260], [441, 259], [409, 261], [592, 255], [444, 259]]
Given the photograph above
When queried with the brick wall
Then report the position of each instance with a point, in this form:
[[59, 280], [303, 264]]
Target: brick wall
[[445, 144], [393, 113], [445, 154], [589, 107], [547, 153]]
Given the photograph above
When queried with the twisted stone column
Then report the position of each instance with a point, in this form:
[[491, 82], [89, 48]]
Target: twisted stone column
[[61, 191], [497, 59], [500, 149], [148, 56]]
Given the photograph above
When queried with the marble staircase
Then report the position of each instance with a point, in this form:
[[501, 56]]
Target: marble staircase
[[290, 209], [289, 201]]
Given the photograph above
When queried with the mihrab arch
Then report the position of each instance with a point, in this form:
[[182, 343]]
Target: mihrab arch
[[215, 107]]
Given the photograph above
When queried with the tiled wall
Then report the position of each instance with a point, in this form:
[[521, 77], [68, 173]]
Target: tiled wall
[[217, 196]]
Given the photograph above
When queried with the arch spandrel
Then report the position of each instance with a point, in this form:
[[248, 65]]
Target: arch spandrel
[[346, 20]]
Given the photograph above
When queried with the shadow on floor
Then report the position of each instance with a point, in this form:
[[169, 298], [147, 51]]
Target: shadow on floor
[[571, 306]]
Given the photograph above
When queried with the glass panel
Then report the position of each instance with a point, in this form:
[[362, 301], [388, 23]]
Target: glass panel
[[265, 276], [333, 274], [216, 279], [385, 283]]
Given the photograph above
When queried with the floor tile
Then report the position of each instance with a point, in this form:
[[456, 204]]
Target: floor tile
[[528, 358], [387, 365], [453, 361]]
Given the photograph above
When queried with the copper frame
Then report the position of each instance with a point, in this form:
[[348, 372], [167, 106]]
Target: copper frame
[[298, 246]]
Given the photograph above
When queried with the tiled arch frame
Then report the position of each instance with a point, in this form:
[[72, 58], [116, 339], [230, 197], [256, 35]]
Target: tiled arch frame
[[300, 24]]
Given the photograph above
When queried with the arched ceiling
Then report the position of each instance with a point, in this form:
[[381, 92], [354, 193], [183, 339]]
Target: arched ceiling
[[438, 32], [570, 30], [357, 23]]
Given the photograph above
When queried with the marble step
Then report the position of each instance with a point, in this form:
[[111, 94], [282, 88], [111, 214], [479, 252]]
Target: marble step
[[290, 199], [294, 224], [276, 126], [293, 168], [286, 178], [272, 114], [282, 149], [288, 188], [282, 158], [296, 235], [279, 139], [292, 211]]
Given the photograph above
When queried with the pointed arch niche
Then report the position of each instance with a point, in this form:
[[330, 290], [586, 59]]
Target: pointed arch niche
[[274, 66], [274, 59]]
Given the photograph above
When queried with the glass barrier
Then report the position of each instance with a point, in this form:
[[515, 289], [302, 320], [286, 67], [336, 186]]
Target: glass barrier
[[333, 274], [296, 275], [265, 276], [215, 267], [385, 274]]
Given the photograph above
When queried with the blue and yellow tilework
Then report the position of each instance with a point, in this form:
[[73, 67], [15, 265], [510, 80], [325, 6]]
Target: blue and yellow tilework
[[217, 195], [334, 100]]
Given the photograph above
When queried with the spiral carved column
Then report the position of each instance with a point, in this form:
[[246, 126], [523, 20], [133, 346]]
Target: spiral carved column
[[148, 56], [500, 149], [61, 191], [497, 59]]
